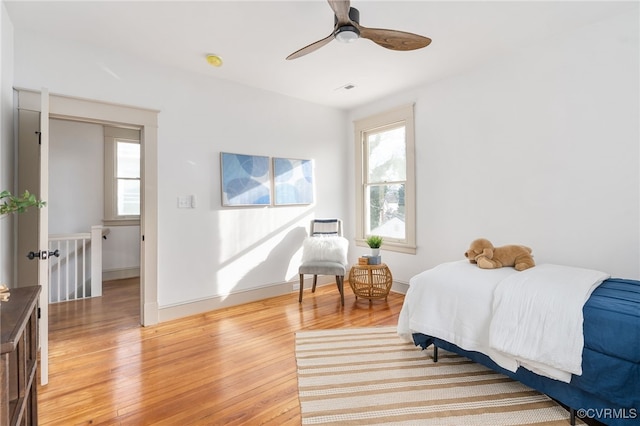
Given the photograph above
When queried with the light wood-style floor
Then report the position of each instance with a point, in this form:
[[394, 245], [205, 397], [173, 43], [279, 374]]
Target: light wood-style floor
[[228, 367]]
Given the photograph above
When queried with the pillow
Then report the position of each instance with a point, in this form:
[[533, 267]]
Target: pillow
[[325, 227], [325, 249]]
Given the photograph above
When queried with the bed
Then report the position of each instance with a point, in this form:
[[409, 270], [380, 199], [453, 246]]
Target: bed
[[571, 333]]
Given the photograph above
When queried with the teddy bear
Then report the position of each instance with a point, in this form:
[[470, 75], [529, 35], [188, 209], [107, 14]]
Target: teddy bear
[[483, 253]]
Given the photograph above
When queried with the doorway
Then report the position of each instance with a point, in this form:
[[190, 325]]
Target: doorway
[[81, 196], [88, 111]]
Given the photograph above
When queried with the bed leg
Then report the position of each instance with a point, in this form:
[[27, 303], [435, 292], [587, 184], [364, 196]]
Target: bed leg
[[435, 353], [572, 416]]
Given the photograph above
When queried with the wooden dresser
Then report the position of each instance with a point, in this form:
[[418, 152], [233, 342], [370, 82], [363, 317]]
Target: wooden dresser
[[19, 357]]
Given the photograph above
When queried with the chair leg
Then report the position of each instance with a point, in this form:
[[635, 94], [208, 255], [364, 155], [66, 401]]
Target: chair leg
[[340, 283], [301, 287], [315, 281]]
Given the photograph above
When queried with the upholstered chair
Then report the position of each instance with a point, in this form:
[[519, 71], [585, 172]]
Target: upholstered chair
[[324, 252]]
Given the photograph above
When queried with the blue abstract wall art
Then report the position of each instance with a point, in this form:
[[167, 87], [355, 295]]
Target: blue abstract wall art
[[293, 181], [246, 180]]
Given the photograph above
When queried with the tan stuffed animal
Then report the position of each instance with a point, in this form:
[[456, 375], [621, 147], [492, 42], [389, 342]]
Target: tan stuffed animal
[[487, 256]]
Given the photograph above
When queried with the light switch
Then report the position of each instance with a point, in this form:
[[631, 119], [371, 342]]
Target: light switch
[[184, 202]]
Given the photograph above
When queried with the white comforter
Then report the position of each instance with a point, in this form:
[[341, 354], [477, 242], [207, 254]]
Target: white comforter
[[453, 302], [537, 318], [480, 310]]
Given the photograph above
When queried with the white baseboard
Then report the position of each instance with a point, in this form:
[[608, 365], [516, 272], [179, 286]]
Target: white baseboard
[[168, 313], [400, 287], [122, 273]]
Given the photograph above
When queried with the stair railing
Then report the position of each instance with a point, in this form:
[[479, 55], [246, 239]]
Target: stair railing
[[76, 271]]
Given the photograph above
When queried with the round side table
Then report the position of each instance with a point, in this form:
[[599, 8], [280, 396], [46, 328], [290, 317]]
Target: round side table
[[370, 281]]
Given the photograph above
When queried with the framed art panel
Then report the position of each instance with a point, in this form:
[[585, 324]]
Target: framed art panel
[[246, 180], [293, 181]]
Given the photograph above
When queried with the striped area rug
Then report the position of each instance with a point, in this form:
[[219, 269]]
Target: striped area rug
[[367, 376]]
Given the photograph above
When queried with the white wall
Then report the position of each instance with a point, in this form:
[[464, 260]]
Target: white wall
[[539, 148], [6, 144], [76, 192], [75, 176], [207, 251]]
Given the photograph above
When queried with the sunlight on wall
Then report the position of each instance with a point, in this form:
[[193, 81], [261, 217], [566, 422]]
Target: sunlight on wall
[[259, 245], [230, 275], [294, 264]]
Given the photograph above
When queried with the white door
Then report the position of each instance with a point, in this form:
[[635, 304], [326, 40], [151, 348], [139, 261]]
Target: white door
[[43, 238], [33, 225]]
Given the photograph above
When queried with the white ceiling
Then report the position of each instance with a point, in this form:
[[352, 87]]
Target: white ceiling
[[254, 37]]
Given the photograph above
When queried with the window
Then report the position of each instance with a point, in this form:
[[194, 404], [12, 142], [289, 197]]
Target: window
[[121, 176], [385, 179]]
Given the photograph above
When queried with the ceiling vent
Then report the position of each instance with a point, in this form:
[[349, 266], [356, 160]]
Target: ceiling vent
[[347, 86]]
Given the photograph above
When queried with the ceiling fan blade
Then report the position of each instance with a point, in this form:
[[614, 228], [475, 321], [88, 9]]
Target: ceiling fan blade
[[341, 9], [394, 40], [311, 48]]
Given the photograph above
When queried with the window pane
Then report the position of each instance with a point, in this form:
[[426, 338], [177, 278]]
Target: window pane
[[386, 205], [385, 178], [387, 156], [128, 160], [128, 197]]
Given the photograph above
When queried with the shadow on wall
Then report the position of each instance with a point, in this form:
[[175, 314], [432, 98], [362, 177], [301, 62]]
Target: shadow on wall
[[279, 258]]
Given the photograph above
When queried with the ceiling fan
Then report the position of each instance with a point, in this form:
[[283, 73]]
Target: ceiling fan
[[348, 29]]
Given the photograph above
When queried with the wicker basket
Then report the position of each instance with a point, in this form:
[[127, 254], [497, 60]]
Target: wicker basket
[[370, 281]]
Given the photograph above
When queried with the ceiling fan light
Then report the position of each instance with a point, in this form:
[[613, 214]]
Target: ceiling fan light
[[347, 34]]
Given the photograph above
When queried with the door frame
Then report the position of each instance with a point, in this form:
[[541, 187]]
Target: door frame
[[92, 111]]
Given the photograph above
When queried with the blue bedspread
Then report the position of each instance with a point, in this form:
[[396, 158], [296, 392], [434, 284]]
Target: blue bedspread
[[611, 357], [609, 387], [611, 318]]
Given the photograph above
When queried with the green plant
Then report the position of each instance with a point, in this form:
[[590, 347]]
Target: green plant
[[18, 204], [374, 241]]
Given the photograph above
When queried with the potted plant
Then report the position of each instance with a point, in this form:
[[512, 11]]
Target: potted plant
[[374, 242], [18, 204], [15, 204]]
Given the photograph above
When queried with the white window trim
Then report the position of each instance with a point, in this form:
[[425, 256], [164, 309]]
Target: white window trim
[[402, 114], [111, 136]]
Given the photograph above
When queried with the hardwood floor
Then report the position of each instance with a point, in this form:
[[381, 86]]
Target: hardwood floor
[[234, 366]]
